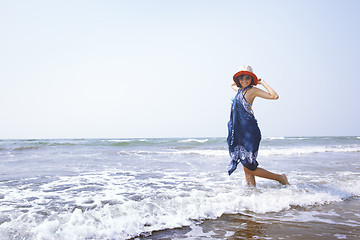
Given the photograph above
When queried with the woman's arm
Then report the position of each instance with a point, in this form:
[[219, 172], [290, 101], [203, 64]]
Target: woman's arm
[[233, 86], [271, 94]]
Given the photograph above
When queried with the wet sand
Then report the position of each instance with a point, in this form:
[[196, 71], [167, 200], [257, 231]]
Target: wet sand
[[243, 226]]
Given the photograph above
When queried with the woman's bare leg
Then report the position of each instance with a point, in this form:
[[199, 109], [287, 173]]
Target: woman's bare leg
[[260, 172], [250, 179]]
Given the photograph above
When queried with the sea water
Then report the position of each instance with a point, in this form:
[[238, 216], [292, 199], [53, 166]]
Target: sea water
[[177, 189]]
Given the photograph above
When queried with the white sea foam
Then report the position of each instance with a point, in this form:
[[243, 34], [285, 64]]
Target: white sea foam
[[194, 140], [125, 192], [206, 152], [264, 151], [310, 216], [119, 140], [267, 151], [340, 236], [297, 138], [121, 205], [275, 138]]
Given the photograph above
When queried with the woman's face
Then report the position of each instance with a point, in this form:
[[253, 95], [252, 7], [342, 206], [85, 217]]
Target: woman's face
[[245, 80]]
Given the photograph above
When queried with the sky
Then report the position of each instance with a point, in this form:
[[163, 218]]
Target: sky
[[159, 68]]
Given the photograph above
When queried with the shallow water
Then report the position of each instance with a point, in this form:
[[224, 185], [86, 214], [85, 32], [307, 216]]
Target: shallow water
[[177, 189]]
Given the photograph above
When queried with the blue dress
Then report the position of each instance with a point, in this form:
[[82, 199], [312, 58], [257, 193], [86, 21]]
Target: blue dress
[[243, 134]]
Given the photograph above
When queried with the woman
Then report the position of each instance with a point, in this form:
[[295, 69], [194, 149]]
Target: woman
[[244, 134]]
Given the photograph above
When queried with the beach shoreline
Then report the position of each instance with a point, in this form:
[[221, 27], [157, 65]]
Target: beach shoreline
[[177, 189]]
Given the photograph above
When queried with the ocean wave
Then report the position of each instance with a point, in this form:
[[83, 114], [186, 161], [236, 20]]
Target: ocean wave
[[119, 205], [178, 143], [274, 138], [193, 140], [297, 138], [264, 151], [118, 140], [207, 152], [26, 148]]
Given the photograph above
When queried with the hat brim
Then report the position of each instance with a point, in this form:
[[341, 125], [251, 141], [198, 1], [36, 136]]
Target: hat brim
[[246, 73]]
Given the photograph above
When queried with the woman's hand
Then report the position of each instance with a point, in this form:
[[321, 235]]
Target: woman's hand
[[233, 86]]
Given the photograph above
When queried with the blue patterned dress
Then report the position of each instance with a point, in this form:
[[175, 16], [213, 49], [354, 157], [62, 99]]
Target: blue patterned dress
[[244, 134]]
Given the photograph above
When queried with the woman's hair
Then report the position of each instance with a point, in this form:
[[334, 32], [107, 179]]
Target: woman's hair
[[237, 81]]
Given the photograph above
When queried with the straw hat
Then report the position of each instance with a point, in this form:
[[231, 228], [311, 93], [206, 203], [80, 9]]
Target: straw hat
[[245, 69]]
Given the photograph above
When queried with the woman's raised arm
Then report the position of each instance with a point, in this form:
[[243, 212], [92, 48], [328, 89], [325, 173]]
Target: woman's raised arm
[[271, 94]]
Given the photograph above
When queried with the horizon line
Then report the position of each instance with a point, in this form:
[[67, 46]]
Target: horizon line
[[88, 138]]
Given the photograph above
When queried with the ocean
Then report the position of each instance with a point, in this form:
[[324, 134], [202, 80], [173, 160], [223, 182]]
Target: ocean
[[177, 188]]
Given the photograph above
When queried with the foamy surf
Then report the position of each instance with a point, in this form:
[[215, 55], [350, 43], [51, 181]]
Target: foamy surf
[[274, 138], [121, 192], [105, 205], [194, 140], [264, 151]]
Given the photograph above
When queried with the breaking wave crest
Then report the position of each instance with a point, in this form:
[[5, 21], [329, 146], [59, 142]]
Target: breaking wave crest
[[105, 206]]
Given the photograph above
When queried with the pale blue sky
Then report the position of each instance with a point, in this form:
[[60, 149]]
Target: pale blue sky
[[151, 68]]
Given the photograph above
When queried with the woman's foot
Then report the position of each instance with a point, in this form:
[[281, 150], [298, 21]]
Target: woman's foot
[[284, 180]]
